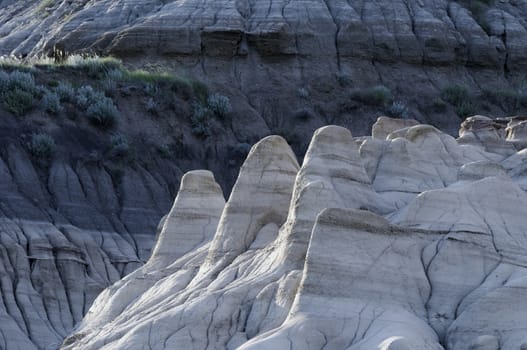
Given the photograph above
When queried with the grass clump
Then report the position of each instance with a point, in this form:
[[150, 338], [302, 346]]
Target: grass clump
[[146, 77], [374, 96], [96, 67], [41, 146], [460, 98]]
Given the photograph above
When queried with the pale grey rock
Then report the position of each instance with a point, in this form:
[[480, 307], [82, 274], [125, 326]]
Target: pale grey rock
[[260, 197], [479, 170], [385, 126], [446, 268], [486, 133], [485, 342]]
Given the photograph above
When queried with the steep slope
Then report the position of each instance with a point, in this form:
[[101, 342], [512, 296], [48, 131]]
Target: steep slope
[[66, 235], [409, 241], [283, 61]]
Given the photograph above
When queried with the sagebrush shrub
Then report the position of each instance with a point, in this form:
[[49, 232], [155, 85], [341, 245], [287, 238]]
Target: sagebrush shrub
[[17, 101], [374, 96], [103, 113], [151, 106], [398, 110], [87, 96], [120, 147], [51, 102], [41, 146], [455, 95], [66, 92], [23, 81], [200, 120], [219, 105], [466, 109]]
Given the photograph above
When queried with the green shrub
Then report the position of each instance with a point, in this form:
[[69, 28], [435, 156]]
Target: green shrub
[[456, 95], [42, 146], [103, 113], [375, 96], [51, 103], [398, 110], [219, 105], [17, 101]]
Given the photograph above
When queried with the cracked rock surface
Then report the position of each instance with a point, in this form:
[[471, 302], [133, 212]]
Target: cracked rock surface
[[408, 240]]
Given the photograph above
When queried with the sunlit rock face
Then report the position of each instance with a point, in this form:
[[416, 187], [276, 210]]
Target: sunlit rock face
[[412, 241]]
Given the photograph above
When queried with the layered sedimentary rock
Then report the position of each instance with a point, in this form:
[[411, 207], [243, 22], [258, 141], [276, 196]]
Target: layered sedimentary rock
[[279, 58], [412, 241], [66, 233]]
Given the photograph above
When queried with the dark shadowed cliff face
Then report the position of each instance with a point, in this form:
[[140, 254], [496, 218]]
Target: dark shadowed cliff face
[[65, 234], [298, 64]]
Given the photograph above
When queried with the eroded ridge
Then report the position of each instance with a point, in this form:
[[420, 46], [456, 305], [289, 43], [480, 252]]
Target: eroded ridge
[[407, 240]]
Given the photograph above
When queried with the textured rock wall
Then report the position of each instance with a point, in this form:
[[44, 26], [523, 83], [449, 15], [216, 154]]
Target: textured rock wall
[[410, 240], [67, 232], [278, 58]]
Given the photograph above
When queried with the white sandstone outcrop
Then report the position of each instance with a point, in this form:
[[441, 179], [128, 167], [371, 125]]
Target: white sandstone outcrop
[[411, 241]]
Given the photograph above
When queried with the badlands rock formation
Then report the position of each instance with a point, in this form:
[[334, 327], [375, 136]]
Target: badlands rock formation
[[64, 237], [280, 58], [412, 240]]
